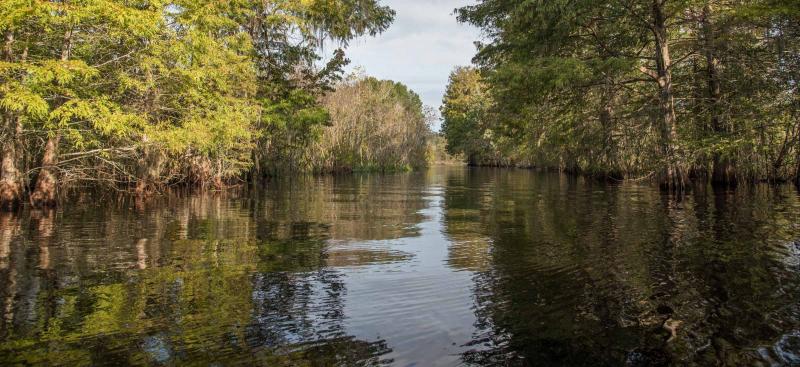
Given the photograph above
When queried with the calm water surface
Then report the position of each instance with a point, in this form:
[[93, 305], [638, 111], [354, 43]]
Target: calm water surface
[[453, 266]]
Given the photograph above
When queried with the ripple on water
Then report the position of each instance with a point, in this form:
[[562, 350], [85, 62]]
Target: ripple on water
[[455, 266]]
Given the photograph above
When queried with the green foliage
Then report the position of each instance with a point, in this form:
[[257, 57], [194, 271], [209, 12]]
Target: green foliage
[[375, 125], [148, 93], [291, 126], [634, 88], [465, 114]]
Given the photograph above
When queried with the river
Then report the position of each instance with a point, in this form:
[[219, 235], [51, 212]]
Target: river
[[444, 267]]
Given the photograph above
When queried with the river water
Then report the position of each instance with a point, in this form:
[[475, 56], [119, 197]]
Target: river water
[[451, 266]]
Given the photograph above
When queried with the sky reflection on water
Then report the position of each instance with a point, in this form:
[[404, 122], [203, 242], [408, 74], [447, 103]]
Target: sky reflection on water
[[452, 266]]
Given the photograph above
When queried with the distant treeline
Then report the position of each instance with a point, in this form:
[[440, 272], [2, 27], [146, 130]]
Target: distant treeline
[[673, 90], [375, 125], [139, 95]]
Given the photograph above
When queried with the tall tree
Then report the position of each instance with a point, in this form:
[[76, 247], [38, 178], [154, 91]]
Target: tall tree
[[657, 88], [141, 94], [375, 125]]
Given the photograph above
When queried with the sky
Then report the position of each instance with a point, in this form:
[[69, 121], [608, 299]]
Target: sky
[[421, 47]]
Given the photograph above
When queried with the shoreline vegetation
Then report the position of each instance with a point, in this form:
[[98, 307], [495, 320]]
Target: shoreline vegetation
[[667, 91], [142, 96]]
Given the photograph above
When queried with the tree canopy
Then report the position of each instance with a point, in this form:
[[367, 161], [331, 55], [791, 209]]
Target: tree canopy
[[143, 94], [628, 88]]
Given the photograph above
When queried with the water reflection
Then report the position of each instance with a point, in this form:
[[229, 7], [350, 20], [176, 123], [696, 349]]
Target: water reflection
[[199, 279], [583, 274], [446, 267]]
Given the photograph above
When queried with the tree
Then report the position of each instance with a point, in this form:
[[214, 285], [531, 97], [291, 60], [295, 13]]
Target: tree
[[55, 87], [287, 37], [465, 117], [374, 125], [141, 94], [626, 88]]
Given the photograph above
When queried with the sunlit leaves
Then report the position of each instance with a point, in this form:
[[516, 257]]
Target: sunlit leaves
[[15, 98], [207, 85]]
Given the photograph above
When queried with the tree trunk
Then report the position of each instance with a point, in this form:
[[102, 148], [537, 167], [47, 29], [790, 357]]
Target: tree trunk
[[723, 167], [149, 172], [219, 181], [8, 46], [66, 47], [607, 121], [45, 192], [673, 174], [150, 167], [10, 183]]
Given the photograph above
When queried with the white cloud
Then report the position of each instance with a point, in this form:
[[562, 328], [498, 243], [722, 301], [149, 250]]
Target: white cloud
[[420, 49]]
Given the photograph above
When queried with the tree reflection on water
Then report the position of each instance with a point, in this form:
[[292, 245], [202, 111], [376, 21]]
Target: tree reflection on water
[[472, 266], [587, 274], [198, 280]]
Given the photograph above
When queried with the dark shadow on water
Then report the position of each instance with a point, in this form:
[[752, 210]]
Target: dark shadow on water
[[586, 274]]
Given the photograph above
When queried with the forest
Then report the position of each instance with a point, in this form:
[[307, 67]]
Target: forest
[[139, 95], [661, 90], [216, 183], [143, 95]]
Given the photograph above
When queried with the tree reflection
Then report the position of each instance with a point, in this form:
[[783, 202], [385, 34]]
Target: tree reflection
[[201, 280], [563, 270], [580, 273], [362, 207]]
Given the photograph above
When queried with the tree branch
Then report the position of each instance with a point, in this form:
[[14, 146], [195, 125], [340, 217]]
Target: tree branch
[[651, 73]]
